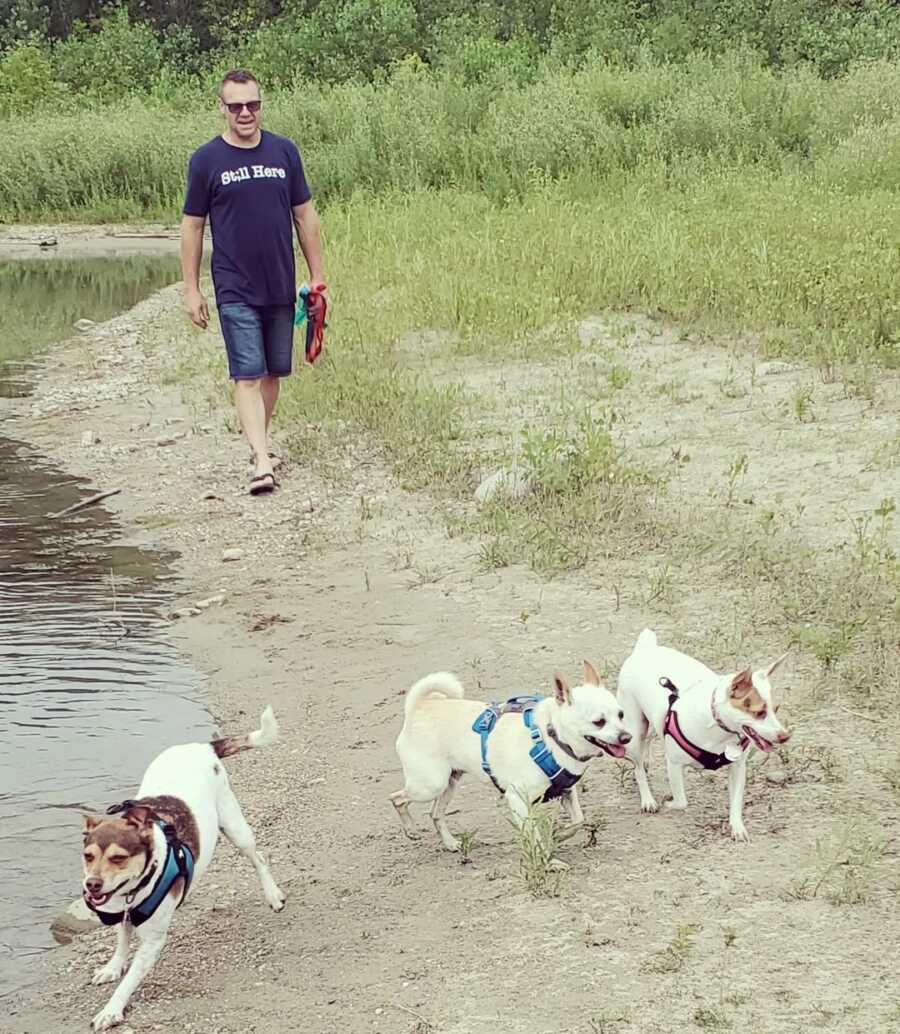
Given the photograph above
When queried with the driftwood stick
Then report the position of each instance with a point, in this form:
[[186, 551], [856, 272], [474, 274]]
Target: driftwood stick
[[90, 501], [145, 236]]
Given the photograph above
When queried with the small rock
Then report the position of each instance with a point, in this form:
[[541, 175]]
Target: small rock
[[232, 554], [47, 242], [83, 326], [514, 484], [212, 601], [211, 495], [166, 440], [76, 919], [774, 367], [184, 612], [776, 778], [90, 438]]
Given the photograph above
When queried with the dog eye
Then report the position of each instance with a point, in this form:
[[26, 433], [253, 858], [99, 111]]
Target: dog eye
[[88, 857], [120, 859], [600, 723]]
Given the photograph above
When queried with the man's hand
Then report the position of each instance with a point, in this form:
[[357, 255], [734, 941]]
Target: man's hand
[[197, 307]]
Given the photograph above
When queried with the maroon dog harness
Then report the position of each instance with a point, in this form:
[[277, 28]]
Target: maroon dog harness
[[704, 758]]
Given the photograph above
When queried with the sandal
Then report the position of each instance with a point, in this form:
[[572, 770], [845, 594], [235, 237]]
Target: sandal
[[263, 483]]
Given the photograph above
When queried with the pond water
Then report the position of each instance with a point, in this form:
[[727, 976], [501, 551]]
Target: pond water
[[91, 685], [41, 299]]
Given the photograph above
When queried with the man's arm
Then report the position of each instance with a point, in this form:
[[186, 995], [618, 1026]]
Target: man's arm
[[309, 234], [195, 305]]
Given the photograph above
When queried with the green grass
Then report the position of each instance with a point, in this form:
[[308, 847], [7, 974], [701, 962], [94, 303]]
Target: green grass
[[510, 282], [847, 869]]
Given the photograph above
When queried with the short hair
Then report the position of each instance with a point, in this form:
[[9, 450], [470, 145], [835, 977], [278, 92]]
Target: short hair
[[237, 75]]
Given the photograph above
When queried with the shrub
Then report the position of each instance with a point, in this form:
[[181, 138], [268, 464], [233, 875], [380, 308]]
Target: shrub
[[121, 57], [26, 79]]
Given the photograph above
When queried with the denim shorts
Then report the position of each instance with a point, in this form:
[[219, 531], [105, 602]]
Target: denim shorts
[[259, 339]]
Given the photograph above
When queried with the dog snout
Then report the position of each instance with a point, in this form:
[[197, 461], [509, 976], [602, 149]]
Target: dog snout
[[624, 737], [93, 885], [784, 736]]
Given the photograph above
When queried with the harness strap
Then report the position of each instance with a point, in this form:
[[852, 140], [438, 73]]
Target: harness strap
[[178, 864], [671, 727], [484, 725], [560, 778]]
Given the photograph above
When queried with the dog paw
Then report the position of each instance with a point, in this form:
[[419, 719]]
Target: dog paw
[[739, 834], [107, 1018], [451, 844], [558, 865], [107, 974], [412, 834], [649, 807], [275, 899], [675, 806]]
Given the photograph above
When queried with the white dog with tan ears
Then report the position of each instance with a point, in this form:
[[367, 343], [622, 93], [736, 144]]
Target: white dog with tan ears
[[705, 720], [531, 748], [140, 863]]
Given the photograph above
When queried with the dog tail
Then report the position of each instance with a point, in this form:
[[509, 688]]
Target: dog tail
[[646, 640], [438, 683], [266, 733]]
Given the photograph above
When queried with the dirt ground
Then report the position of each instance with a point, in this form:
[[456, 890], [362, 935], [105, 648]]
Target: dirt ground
[[335, 607]]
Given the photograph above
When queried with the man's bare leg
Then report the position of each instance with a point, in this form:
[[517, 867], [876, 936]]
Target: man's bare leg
[[251, 409], [269, 387]]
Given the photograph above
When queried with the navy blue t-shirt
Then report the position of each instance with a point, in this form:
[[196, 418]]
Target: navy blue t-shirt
[[248, 192]]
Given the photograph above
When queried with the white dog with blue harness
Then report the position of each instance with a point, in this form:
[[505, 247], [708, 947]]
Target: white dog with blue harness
[[531, 748]]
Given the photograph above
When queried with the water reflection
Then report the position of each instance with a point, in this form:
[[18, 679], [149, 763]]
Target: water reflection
[[41, 299]]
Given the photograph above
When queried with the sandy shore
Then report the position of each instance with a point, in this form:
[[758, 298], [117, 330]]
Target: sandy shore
[[330, 610]]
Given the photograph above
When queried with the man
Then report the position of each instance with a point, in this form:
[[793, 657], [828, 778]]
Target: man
[[251, 185]]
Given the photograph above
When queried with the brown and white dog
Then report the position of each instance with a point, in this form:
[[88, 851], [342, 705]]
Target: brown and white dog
[[712, 722], [184, 799]]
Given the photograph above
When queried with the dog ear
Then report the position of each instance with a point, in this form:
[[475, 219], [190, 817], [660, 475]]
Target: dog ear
[[561, 689], [590, 674], [90, 821], [139, 816], [741, 684], [775, 665]]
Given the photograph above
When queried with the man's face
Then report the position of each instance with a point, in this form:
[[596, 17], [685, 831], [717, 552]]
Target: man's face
[[242, 122]]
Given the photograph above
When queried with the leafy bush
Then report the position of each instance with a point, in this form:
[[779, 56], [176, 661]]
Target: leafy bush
[[120, 58], [26, 79], [351, 40]]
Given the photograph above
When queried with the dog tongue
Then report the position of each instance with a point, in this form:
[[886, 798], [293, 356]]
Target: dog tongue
[[760, 741]]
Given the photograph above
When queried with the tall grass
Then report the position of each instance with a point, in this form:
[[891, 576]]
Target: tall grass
[[423, 129], [782, 254]]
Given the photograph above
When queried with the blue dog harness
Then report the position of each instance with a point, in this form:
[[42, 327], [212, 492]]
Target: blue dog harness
[[178, 865], [560, 778]]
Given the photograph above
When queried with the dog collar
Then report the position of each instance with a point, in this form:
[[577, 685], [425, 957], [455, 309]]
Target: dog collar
[[565, 748], [560, 778], [178, 865]]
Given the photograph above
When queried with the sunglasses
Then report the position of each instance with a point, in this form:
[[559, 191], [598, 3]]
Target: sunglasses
[[238, 107]]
